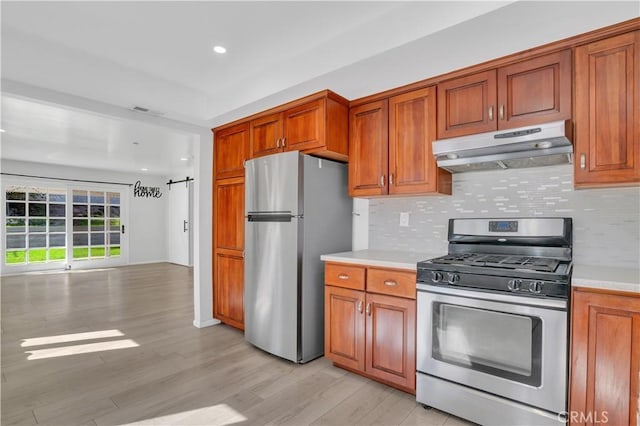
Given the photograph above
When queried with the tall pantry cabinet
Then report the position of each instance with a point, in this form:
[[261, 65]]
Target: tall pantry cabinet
[[231, 146]]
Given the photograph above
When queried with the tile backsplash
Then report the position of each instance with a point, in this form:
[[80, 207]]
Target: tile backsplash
[[606, 222]]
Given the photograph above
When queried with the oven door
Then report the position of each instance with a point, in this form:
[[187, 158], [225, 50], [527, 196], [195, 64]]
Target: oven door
[[511, 346]]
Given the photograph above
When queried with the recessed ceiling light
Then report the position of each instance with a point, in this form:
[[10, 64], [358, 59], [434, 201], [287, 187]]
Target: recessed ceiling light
[[2, 130], [184, 159], [219, 49], [144, 169]]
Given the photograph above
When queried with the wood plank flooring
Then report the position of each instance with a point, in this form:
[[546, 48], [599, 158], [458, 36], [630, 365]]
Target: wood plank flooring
[[117, 346]]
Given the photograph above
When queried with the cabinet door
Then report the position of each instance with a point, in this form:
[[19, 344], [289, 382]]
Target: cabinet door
[[535, 91], [412, 129], [466, 105], [368, 149], [605, 359], [228, 294], [230, 151], [390, 342], [228, 241], [607, 137], [344, 326], [266, 135], [304, 126], [228, 214]]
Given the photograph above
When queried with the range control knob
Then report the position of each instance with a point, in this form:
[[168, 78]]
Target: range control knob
[[436, 277], [536, 286], [452, 278], [514, 285]]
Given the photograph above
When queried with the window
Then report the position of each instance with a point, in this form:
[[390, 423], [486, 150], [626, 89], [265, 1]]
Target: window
[[35, 225]]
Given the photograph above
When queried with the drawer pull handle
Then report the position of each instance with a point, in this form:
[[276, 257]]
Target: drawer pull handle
[[343, 277], [360, 306], [391, 283], [369, 309]]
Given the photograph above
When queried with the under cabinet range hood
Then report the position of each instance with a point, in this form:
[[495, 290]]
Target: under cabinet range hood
[[543, 145]]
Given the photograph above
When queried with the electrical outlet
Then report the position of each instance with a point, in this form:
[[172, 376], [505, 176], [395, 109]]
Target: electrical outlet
[[404, 218]]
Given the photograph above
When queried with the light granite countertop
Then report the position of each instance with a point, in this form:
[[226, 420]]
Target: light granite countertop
[[609, 278], [381, 258]]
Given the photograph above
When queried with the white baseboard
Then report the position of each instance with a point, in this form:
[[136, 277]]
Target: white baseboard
[[206, 323]]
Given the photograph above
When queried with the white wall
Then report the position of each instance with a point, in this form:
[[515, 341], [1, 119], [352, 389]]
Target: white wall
[[147, 216]]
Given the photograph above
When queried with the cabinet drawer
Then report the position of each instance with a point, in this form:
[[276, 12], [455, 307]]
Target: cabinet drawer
[[347, 276], [391, 282]]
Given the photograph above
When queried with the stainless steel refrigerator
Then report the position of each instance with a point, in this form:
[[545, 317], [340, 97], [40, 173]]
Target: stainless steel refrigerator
[[296, 208]]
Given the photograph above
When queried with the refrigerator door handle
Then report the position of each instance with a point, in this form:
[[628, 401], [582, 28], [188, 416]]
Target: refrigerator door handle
[[270, 217]]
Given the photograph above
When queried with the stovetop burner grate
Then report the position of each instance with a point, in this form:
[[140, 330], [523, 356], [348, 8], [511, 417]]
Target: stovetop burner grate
[[530, 263]]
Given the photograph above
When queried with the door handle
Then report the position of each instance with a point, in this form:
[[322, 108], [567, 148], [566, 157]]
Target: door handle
[[360, 306], [123, 229], [491, 113], [277, 142], [501, 112], [583, 161], [368, 310], [284, 139], [184, 226]]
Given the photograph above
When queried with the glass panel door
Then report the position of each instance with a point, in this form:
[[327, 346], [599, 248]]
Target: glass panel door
[[96, 224]]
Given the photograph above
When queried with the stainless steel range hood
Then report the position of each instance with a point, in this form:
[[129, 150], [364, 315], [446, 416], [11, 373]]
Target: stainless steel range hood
[[543, 145]]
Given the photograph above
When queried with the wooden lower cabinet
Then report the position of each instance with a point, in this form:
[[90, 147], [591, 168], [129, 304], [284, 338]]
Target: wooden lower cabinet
[[390, 339], [605, 358], [228, 298], [372, 334], [344, 326]]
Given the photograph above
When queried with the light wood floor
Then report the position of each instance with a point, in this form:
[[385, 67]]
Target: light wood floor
[[117, 346]]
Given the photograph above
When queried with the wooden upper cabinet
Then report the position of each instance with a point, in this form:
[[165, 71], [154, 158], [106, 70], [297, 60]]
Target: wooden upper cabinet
[[266, 135], [535, 91], [231, 145], [526, 93], [605, 358], [466, 105], [412, 129], [368, 149], [607, 120], [315, 125], [304, 126]]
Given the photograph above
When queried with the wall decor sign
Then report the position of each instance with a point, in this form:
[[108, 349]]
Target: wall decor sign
[[146, 191]]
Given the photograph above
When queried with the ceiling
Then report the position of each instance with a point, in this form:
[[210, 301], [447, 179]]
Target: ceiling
[[158, 55]]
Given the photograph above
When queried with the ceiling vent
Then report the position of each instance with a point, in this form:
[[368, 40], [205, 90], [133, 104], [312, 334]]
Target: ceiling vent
[[147, 111]]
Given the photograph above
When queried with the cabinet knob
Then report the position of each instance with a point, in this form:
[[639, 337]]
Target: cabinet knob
[[343, 277], [391, 283]]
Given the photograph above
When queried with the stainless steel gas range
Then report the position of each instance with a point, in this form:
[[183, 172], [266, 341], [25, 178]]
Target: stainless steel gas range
[[492, 321]]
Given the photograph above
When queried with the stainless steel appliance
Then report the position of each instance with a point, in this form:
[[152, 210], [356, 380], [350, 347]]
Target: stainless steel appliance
[[543, 145], [492, 321], [297, 208]]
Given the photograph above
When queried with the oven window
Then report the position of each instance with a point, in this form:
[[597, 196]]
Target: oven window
[[498, 343]]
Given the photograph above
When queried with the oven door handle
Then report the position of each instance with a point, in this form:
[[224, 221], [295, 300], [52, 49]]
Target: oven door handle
[[558, 304]]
